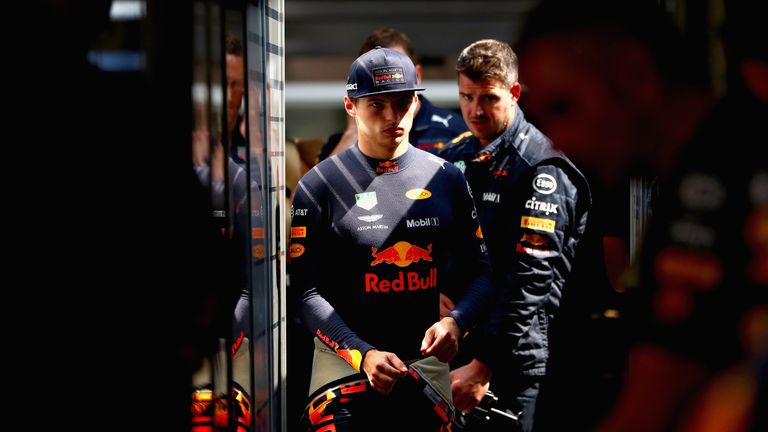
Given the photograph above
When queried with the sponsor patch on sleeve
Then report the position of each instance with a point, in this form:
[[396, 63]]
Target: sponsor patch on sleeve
[[298, 232], [544, 184], [538, 224], [258, 251], [534, 245], [295, 250]]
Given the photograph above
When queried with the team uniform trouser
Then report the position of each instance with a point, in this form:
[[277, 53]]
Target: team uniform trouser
[[522, 400]]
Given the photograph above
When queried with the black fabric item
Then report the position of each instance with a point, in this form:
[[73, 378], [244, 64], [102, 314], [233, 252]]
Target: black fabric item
[[414, 404]]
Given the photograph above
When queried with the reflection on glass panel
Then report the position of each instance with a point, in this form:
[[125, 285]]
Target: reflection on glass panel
[[207, 99], [237, 153], [261, 253], [212, 88], [275, 149], [243, 233]]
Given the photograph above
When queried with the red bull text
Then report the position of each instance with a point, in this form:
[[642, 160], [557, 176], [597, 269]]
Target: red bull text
[[410, 281], [401, 254]]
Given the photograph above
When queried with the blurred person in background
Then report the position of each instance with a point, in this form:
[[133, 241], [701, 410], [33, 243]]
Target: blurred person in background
[[210, 164]]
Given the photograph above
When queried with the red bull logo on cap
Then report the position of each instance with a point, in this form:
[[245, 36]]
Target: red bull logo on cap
[[388, 75]]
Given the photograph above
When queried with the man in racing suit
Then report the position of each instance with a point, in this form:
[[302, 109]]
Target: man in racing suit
[[373, 231], [532, 203]]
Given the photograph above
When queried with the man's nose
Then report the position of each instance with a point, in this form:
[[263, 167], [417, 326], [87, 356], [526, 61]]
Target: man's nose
[[478, 109], [391, 112]]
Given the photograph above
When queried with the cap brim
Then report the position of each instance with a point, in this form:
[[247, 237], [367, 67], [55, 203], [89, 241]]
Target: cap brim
[[384, 92]]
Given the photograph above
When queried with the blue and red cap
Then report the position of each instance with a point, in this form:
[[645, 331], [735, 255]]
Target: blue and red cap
[[381, 70]]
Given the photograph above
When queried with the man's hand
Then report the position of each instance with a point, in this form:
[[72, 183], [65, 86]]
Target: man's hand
[[469, 384], [383, 370], [442, 340], [446, 305]]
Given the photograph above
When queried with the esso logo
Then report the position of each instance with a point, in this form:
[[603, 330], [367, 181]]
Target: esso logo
[[544, 183]]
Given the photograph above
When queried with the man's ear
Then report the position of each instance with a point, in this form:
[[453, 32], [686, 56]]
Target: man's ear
[[418, 74], [515, 91], [350, 106]]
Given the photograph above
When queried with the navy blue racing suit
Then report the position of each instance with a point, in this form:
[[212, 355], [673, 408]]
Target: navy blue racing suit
[[533, 204], [370, 245]]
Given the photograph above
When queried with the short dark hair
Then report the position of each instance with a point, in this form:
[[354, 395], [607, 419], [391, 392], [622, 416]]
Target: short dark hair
[[388, 37], [489, 59], [233, 45]]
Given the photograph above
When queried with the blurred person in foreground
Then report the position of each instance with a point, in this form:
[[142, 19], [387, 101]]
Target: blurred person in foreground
[[373, 231], [124, 252], [433, 127], [698, 312]]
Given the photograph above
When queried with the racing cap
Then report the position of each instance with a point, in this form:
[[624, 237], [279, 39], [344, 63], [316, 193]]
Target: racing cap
[[381, 70]]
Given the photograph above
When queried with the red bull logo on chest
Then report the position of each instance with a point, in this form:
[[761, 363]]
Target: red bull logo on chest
[[387, 167], [401, 254]]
